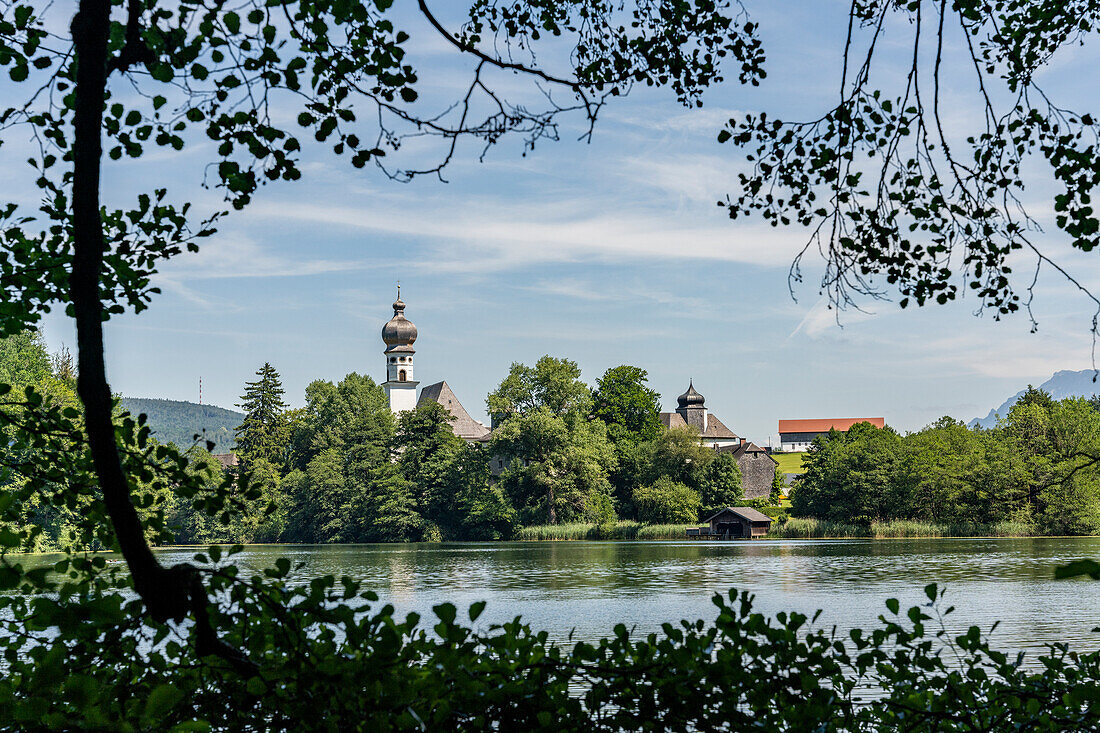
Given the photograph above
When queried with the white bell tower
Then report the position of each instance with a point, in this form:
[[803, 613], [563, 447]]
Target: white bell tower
[[399, 334]]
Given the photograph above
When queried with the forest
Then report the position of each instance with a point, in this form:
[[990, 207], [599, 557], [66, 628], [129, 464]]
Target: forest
[[174, 421], [344, 468], [1038, 470]]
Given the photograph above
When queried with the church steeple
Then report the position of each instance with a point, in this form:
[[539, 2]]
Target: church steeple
[[399, 334], [692, 407]]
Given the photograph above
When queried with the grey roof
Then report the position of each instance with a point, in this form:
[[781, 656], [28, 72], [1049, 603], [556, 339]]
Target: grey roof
[[745, 512], [715, 427], [748, 447], [463, 425]]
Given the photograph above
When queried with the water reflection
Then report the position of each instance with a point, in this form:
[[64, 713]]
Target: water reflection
[[589, 586]]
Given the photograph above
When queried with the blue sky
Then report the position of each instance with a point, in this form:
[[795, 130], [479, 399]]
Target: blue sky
[[610, 252]]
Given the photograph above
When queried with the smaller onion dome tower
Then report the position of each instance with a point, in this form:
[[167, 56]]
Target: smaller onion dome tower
[[692, 407], [399, 334]]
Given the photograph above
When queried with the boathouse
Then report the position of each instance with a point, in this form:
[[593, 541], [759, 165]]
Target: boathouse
[[739, 522]]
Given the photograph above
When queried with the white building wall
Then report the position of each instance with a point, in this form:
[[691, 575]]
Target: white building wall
[[402, 395]]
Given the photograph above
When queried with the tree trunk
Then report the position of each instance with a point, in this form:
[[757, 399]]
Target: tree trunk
[[164, 596]]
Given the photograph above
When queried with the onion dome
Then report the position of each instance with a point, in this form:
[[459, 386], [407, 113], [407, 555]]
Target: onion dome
[[399, 333], [691, 398]]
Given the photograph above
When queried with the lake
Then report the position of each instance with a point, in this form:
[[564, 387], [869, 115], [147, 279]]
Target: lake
[[587, 587]]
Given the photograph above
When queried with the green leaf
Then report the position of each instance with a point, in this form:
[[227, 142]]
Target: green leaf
[[931, 591], [893, 605], [446, 612], [161, 701], [162, 72], [476, 609]]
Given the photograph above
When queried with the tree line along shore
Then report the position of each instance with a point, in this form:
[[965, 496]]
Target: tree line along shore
[[592, 463]]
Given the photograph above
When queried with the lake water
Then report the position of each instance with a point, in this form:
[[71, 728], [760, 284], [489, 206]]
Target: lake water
[[587, 587]]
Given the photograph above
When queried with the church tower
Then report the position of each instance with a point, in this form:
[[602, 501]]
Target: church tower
[[399, 334], [692, 407]]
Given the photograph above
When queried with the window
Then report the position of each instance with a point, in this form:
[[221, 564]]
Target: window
[[393, 360], [401, 376]]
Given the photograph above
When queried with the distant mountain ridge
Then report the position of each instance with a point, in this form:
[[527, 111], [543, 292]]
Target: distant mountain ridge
[[176, 421], [1063, 384]]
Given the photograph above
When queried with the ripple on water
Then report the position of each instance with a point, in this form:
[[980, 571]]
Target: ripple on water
[[589, 586]]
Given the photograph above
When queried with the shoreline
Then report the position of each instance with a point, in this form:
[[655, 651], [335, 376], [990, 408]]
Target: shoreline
[[584, 533]]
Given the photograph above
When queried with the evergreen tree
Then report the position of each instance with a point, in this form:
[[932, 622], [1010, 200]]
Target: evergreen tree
[[263, 434]]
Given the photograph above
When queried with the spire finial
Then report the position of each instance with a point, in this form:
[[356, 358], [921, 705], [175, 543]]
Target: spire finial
[[399, 290]]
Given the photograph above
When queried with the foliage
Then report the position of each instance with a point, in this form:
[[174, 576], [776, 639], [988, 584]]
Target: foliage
[[330, 410], [1038, 468], [551, 384], [367, 670], [263, 434], [895, 195], [629, 407], [26, 366], [480, 510], [426, 447], [450, 478], [666, 502], [678, 454], [777, 487], [558, 459], [849, 476], [719, 485], [175, 421]]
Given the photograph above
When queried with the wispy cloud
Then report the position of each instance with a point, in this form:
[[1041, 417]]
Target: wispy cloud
[[585, 290], [240, 256], [822, 318], [694, 121], [495, 236]]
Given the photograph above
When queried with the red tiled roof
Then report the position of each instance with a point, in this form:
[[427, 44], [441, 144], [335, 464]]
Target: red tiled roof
[[824, 425]]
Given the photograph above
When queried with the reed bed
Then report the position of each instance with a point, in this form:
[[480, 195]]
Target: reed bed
[[805, 528], [793, 528], [617, 531]]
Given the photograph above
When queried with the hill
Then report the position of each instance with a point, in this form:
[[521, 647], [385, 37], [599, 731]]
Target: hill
[[1063, 384], [174, 421]]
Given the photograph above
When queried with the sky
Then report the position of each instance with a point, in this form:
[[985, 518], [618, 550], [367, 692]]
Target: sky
[[607, 252]]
